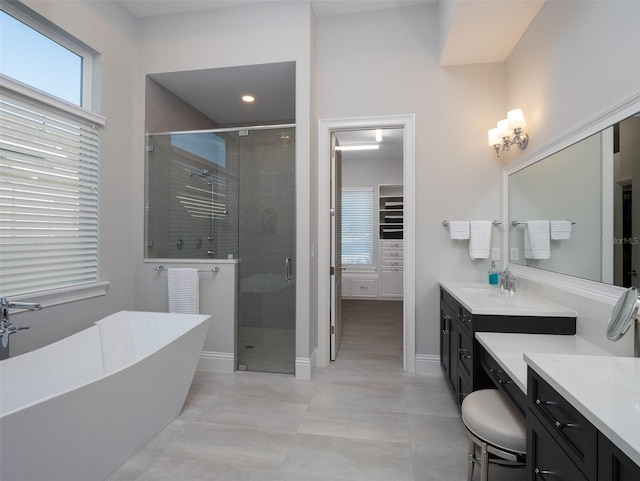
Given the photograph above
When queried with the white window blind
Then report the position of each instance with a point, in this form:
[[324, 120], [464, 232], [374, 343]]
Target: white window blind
[[357, 226], [49, 178]]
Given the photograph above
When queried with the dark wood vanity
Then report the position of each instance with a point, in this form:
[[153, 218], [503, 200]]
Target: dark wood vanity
[[460, 354], [564, 442], [562, 445]]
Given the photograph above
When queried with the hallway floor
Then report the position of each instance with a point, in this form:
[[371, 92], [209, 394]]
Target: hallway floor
[[361, 419]]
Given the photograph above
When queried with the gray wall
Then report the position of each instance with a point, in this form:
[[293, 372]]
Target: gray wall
[[385, 63], [574, 62]]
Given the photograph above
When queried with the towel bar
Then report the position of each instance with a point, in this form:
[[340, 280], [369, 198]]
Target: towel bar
[[516, 223], [495, 223], [163, 268]]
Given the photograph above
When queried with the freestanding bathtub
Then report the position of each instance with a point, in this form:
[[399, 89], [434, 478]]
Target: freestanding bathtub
[[79, 408]]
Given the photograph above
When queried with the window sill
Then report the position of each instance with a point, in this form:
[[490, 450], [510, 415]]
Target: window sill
[[56, 297]]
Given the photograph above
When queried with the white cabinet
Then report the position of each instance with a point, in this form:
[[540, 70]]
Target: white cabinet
[[391, 268], [390, 243], [359, 286]]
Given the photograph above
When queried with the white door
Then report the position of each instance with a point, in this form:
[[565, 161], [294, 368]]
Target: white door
[[335, 333]]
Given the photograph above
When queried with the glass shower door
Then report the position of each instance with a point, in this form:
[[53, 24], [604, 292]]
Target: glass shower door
[[266, 249]]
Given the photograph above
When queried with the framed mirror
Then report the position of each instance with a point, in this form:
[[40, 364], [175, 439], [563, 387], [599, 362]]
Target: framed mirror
[[587, 187]]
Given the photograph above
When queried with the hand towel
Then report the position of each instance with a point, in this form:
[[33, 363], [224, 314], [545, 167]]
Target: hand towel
[[560, 229], [116, 342], [459, 229], [184, 291], [479, 239], [537, 240]]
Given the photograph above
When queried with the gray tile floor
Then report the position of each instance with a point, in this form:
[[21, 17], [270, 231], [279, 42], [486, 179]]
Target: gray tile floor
[[361, 419]]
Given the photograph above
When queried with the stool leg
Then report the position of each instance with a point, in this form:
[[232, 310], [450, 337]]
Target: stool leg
[[472, 459], [484, 463]]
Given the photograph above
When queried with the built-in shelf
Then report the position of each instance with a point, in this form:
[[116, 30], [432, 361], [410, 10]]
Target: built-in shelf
[[391, 211]]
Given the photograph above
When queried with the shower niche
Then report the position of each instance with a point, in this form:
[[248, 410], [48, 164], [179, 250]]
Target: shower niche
[[228, 192]]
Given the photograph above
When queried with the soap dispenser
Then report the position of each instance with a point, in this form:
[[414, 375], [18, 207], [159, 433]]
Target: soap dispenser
[[493, 274]]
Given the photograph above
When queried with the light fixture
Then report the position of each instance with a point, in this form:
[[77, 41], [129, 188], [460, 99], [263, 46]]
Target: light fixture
[[378, 135], [358, 147], [500, 137], [248, 98]]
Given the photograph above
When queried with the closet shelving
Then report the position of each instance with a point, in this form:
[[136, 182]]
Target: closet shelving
[[391, 209]]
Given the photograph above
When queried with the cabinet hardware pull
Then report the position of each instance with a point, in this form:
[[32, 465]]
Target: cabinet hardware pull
[[492, 370], [445, 332], [540, 473], [505, 381], [561, 426], [545, 403]]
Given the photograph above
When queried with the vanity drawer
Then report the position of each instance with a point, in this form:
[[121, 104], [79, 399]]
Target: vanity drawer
[[571, 430], [503, 381], [466, 321], [465, 353], [545, 459], [391, 253]]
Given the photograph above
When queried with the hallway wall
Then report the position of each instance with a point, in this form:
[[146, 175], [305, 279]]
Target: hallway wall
[[385, 63]]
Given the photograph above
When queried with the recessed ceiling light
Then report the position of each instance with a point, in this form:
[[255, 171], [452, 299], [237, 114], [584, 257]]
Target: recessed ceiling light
[[248, 98]]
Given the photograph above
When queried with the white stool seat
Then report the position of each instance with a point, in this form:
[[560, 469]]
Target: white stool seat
[[492, 417]]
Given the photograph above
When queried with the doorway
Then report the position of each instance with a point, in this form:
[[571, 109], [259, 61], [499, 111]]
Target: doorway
[[326, 127], [367, 194]]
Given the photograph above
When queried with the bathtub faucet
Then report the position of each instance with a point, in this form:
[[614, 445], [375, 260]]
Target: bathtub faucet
[[6, 326]]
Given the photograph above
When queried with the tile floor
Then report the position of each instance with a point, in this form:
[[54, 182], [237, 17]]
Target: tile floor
[[361, 419]]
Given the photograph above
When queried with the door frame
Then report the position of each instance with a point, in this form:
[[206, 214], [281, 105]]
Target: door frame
[[325, 128]]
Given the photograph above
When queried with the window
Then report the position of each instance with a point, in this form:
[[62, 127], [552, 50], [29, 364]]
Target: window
[[357, 226], [49, 166]]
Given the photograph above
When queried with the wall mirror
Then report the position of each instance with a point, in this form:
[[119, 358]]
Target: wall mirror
[[590, 183]]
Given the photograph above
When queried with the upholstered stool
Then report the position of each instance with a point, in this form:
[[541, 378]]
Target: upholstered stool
[[496, 428]]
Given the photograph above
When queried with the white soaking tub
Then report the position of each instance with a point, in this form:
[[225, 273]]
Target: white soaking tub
[[80, 407]]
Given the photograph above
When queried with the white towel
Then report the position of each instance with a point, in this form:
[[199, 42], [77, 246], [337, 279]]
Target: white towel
[[116, 342], [479, 239], [184, 291], [560, 229], [537, 240], [459, 229]]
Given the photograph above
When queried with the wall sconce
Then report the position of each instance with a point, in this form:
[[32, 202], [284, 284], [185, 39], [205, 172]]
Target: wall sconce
[[500, 137]]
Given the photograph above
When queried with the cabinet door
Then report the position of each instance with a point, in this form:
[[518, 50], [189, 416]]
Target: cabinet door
[[546, 460], [613, 464], [391, 282], [448, 336]]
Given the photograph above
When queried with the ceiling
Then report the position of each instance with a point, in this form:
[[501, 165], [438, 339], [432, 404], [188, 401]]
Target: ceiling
[[477, 31], [321, 8], [217, 92]]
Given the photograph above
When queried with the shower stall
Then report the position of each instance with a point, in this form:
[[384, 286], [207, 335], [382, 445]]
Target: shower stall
[[230, 193]]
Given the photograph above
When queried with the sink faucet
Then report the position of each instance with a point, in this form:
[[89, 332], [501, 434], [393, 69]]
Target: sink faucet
[[6, 326], [507, 282]]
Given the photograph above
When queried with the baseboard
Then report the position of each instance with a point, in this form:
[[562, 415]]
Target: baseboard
[[428, 364], [306, 365], [217, 362]]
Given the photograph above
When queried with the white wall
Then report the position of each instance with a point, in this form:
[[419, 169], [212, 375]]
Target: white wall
[[109, 29], [385, 63], [254, 34], [576, 61]]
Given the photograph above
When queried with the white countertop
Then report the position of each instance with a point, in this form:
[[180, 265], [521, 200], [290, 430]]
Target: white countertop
[[479, 298], [507, 349], [606, 391], [604, 388]]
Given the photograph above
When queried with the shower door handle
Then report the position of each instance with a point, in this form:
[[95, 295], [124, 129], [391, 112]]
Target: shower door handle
[[287, 269]]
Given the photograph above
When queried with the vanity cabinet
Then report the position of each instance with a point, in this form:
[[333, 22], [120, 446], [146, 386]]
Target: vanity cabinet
[[563, 445], [461, 354]]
